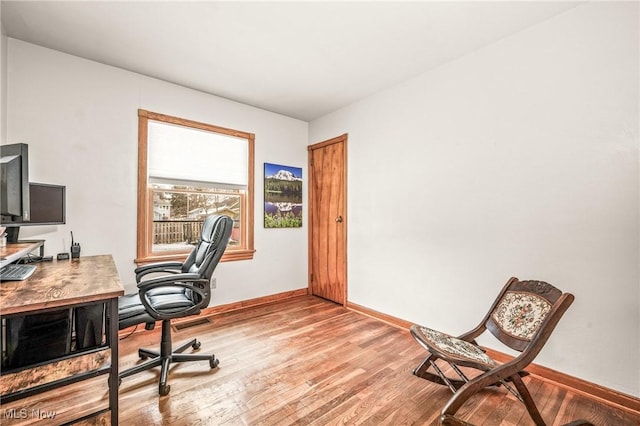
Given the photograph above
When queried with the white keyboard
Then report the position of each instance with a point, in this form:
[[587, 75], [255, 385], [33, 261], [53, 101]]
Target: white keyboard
[[15, 272]]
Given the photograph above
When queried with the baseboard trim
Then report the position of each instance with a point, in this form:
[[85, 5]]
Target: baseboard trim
[[397, 322], [599, 393], [258, 301], [229, 307]]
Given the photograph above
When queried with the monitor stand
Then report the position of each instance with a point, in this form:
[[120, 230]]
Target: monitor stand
[[12, 234]]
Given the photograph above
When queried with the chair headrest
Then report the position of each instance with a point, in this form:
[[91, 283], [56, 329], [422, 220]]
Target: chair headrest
[[216, 230], [208, 228]]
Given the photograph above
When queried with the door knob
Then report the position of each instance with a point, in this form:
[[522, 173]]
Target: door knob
[[339, 219]]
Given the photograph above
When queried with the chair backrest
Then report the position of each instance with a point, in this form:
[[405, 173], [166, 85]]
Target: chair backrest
[[205, 256], [526, 312]]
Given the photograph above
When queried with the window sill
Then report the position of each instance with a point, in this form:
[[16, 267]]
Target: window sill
[[229, 256]]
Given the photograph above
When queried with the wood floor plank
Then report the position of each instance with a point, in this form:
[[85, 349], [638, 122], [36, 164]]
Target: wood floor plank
[[307, 361]]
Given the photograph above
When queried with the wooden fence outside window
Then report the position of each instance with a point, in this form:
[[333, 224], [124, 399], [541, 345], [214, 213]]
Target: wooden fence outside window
[[170, 232]]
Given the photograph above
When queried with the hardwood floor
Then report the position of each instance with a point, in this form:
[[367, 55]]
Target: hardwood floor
[[306, 361]]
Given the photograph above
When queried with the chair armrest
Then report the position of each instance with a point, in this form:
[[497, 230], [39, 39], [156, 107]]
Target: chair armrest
[[162, 267], [174, 280], [189, 281]]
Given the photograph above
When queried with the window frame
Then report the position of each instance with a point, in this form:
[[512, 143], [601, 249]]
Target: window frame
[[144, 253]]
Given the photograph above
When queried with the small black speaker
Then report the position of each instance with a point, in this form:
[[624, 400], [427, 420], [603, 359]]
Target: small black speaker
[[89, 325]]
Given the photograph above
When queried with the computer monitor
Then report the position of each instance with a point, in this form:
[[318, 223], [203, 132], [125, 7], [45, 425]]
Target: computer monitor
[[47, 205], [11, 191], [14, 183]]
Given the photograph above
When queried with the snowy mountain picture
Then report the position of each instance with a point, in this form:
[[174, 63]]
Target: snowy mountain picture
[[285, 175], [282, 196]]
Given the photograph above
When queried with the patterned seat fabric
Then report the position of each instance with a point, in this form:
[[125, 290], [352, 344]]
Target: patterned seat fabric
[[452, 346], [520, 314]]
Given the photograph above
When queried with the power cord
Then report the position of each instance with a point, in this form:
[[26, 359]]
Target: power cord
[[130, 333], [31, 258]]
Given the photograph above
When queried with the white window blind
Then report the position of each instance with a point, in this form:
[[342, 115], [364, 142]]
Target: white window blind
[[181, 154]]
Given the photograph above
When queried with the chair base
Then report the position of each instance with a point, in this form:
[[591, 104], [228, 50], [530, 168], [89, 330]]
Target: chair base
[[166, 357], [448, 418]]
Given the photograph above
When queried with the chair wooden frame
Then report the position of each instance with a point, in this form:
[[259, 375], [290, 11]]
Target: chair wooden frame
[[522, 317]]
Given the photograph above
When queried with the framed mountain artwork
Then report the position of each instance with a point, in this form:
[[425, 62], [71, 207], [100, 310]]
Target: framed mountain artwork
[[282, 196]]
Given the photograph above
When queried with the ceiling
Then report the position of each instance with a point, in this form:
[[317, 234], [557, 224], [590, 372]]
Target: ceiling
[[301, 59]]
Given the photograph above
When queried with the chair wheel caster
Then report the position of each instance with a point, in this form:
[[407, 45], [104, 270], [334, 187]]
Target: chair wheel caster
[[213, 362], [164, 389], [196, 345]]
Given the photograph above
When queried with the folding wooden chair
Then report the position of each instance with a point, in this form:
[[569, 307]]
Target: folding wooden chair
[[522, 317]]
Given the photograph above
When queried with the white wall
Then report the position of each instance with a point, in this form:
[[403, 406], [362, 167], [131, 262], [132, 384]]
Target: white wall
[[520, 159], [80, 121]]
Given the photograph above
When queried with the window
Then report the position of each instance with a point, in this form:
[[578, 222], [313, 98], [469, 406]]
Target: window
[[186, 171]]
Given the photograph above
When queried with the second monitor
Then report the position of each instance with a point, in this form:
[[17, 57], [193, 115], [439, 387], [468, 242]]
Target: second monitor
[[47, 207]]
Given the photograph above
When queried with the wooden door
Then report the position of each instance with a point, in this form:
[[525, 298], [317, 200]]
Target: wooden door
[[328, 219]]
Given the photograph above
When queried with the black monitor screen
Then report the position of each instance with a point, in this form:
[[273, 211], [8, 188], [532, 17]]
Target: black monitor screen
[[14, 185], [11, 185], [47, 204]]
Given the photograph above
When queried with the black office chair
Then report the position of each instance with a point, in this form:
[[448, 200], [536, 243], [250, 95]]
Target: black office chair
[[181, 290]]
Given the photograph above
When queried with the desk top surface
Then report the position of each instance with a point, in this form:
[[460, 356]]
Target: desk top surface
[[62, 283]]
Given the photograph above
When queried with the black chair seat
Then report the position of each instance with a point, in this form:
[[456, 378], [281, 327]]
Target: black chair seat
[[131, 311]]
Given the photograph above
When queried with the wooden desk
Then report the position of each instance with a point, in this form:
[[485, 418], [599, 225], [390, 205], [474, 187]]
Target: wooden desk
[[59, 285]]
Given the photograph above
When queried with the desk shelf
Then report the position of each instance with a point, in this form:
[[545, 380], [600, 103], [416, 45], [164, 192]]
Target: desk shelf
[[69, 404]]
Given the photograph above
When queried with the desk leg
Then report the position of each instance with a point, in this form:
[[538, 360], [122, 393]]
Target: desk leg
[[113, 377]]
